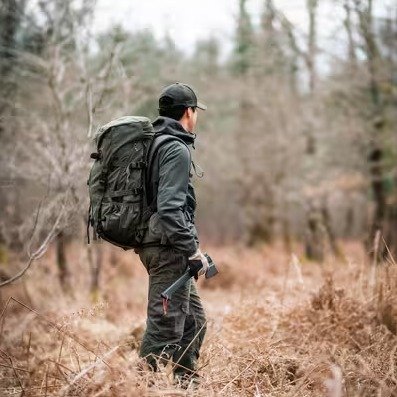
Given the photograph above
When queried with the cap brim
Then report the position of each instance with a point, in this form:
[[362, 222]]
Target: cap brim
[[201, 106]]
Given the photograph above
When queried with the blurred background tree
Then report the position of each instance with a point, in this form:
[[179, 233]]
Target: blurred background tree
[[298, 144]]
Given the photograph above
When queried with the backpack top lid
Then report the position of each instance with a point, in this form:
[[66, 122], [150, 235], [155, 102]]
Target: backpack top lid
[[141, 122]]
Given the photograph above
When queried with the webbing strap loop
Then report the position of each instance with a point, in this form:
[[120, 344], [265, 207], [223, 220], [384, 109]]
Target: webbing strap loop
[[140, 165], [126, 192]]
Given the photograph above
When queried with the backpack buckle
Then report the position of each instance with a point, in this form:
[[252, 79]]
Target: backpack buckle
[[96, 155]]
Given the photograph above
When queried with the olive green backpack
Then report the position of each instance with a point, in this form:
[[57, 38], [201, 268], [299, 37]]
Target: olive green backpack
[[118, 182]]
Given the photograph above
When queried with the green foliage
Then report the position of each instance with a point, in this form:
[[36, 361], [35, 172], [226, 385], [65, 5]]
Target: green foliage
[[244, 40]]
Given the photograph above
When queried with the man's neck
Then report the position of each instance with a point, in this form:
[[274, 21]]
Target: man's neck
[[185, 126]]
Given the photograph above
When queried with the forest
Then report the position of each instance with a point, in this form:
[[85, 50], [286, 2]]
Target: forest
[[297, 204]]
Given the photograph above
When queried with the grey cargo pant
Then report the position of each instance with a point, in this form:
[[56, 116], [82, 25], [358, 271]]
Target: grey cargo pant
[[177, 335]]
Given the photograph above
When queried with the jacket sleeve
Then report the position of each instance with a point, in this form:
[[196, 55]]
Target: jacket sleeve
[[174, 168]]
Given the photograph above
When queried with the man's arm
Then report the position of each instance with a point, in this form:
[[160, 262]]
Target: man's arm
[[174, 168]]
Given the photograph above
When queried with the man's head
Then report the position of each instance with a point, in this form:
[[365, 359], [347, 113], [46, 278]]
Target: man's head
[[179, 102]]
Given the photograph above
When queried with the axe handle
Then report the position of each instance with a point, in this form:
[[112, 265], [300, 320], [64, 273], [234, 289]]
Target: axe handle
[[167, 294], [181, 281]]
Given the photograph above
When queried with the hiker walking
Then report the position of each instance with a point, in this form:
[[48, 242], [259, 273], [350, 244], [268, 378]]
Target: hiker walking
[[171, 240], [141, 197]]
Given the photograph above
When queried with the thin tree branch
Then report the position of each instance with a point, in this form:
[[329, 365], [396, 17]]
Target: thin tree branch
[[39, 252]]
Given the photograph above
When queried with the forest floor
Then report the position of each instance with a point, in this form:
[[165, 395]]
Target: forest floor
[[277, 326]]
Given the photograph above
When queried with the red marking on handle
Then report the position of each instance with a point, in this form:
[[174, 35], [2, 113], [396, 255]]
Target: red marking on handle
[[165, 306]]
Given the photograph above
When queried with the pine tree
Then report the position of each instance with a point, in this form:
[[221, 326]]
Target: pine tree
[[244, 40]]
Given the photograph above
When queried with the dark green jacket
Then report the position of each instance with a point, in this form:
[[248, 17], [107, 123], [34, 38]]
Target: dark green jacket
[[173, 223]]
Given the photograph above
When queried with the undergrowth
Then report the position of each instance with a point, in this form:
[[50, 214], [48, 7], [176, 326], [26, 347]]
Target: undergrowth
[[275, 328]]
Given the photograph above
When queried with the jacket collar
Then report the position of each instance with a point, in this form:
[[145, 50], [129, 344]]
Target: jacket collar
[[166, 125]]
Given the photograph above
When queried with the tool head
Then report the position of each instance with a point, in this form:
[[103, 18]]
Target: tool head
[[212, 270]]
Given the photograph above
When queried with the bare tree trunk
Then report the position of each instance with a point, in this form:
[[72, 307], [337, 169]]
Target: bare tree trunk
[[63, 269], [95, 259], [376, 155], [314, 236], [348, 229], [326, 219], [312, 6], [10, 16], [286, 234], [351, 51], [13, 199]]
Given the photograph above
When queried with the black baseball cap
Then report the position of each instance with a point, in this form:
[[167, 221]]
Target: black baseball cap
[[179, 94]]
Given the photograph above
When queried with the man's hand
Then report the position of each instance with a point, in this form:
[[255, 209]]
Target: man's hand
[[199, 256]]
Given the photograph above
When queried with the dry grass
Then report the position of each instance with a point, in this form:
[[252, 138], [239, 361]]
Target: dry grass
[[277, 327]]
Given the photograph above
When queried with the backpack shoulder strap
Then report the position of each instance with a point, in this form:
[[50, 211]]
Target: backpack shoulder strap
[[158, 141]]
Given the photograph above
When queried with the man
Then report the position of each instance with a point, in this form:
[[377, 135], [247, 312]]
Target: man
[[171, 240]]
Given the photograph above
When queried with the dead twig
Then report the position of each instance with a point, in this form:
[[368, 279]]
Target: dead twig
[[39, 252], [237, 376], [15, 371], [15, 368], [82, 373], [59, 329]]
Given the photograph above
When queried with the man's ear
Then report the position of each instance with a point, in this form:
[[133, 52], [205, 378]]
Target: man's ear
[[185, 114], [192, 111]]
